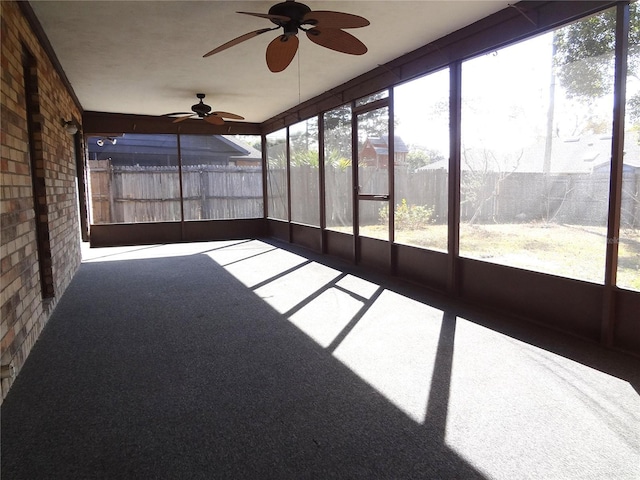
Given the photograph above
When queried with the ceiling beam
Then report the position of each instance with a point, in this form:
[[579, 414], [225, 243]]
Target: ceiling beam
[[104, 123]]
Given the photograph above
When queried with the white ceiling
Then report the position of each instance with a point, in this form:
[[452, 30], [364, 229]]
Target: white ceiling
[[145, 57]]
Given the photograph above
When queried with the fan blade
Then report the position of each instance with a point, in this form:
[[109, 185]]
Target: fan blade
[[214, 119], [327, 19], [338, 40], [282, 18], [233, 116], [176, 113], [182, 119], [238, 40], [281, 51]]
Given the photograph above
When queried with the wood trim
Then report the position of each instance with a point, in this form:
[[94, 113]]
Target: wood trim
[[265, 193], [391, 177], [557, 302], [180, 183], [371, 106], [355, 189], [82, 176], [453, 202], [288, 182], [105, 124], [322, 185], [119, 234], [615, 179]]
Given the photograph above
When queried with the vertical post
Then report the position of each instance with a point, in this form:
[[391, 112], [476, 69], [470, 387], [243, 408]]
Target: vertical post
[[182, 225], [615, 180], [204, 190], [81, 176], [111, 192], [38, 173], [265, 165], [288, 183], [453, 214], [391, 164], [322, 186], [355, 190]]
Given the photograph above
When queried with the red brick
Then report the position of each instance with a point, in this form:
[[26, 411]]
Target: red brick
[[54, 153]]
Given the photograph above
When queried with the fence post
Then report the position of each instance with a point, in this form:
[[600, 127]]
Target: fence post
[[111, 193], [204, 213]]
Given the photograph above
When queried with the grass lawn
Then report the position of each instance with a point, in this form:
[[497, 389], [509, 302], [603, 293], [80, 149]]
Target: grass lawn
[[573, 251]]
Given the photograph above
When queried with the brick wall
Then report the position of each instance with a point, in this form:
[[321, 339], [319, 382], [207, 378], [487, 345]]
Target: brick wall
[[23, 311]]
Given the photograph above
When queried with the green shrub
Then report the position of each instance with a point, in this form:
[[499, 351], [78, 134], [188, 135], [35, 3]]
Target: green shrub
[[408, 217]]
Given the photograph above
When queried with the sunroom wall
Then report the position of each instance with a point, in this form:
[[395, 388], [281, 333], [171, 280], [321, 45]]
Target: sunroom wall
[[515, 290], [24, 312]]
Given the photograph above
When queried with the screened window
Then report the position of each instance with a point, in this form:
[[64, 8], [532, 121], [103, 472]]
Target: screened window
[[629, 241], [277, 175], [134, 178], [221, 177], [536, 149], [372, 98], [304, 171], [338, 167], [421, 109]]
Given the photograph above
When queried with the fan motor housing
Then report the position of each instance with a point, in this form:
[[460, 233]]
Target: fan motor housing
[[294, 10], [201, 108]]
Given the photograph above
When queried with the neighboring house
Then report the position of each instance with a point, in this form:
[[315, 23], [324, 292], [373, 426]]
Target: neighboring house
[[248, 156], [375, 152], [584, 154], [162, 150], [631, 163]]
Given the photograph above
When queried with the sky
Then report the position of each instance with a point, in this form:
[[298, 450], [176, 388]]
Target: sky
[[505, 101]]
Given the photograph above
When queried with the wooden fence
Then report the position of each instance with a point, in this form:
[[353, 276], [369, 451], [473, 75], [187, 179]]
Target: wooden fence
[[152, 194], [146, 194], [574, 198]]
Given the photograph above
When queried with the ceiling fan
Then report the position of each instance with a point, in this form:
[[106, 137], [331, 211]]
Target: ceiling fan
[[322, 27], [202, 110]]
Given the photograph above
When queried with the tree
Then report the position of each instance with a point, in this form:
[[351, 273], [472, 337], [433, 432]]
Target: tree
[[303, 143], [584, 61], [375, 123], [420, 156], [584, 57], [482, 179], [337, 132]]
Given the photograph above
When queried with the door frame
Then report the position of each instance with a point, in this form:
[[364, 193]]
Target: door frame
[[388, 197]]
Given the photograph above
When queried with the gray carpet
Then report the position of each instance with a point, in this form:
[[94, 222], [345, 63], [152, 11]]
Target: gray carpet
[[249, 360]]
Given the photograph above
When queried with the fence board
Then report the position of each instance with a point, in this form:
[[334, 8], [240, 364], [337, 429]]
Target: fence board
[[145, 194], [151, 194]]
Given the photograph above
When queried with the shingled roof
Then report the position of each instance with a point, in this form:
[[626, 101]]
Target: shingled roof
[[584, 154], [156, 149], [381, 144]]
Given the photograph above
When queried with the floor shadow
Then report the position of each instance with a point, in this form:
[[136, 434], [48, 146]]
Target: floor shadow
[[612, 362], [172, 368], [438, 402], [128, 250], [366, 305], [247, 257]]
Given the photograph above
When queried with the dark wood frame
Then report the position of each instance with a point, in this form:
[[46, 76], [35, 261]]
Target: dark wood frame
[[615, 179]]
